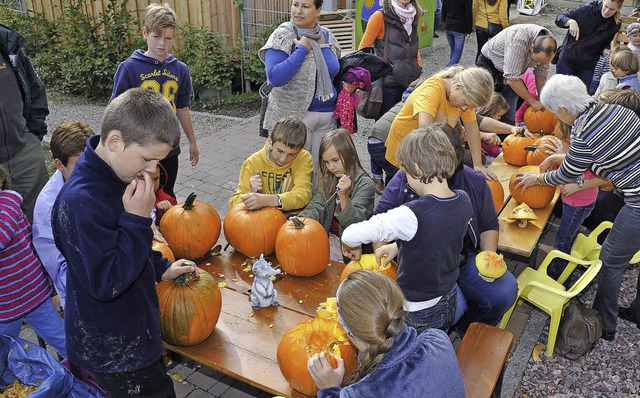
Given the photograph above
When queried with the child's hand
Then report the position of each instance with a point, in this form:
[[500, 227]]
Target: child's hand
[[490, 138], [569, 189], [344, 186], [323, 374], [354, 253], [350, 87], [194, 154], [255, 201], [384, 254], [255, 183], [164, 205], [139, 196], [178, 268]]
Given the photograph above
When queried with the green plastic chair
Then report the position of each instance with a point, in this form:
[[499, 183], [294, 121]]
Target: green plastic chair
[[539, 289]]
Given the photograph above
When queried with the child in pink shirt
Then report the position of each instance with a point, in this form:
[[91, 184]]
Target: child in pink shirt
[[529, 80]]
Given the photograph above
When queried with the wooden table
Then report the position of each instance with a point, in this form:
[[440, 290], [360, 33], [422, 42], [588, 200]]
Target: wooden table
[[245, 341]]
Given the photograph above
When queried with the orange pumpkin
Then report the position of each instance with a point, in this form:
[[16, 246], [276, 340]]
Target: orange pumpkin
[[497, 193], [328, 309], [191, 228], [164, 249], [302, 247], [189, 308], [539, 121], [513, 149], [540, 154], [253, 232], [368, 262], [535, 196], [306, 339]]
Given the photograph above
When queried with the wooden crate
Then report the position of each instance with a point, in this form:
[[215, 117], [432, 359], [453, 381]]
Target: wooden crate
[[342, 24]]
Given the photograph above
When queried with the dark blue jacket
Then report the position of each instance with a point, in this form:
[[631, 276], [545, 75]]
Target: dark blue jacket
[[585, 54], [34, 96], [416, 366], [111, 314]]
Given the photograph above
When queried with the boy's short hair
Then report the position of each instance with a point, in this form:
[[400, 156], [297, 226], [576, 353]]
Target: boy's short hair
[[426, 153], [69, 139], [626, 61], [160, 17], [619, 47], [143, 117], [618, 96], [290, 131]]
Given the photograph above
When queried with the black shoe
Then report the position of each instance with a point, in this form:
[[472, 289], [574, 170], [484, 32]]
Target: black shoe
[[626, 314], [435, 34], [609, 336]]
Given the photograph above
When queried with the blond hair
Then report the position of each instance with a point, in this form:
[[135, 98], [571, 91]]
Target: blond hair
[[496, 104], [618, 96], [426, 153], [378, 322], [477, 83], [160, 17], [290, 131], [626, 61]]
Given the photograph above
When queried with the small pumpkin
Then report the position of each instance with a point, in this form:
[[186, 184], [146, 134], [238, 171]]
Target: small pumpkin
[[306, 339], [189, 308], [368, 262], [490, 265], [497, 193], [191, 228], [535, 196], [164, 249], [513, 148], [253, 232], [541, 121], [302, 247], [538, 156]]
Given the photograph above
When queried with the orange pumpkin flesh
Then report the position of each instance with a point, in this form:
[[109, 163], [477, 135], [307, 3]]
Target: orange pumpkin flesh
[[189, 308], [164, 249], [535, 196], [306, 339], [539, 121], [497, 193], [490, 265], [191, 228], [513, 149], [368, 262], [302, 247], [253, 232]]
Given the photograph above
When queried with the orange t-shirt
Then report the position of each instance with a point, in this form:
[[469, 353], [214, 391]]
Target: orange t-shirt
[[429, 97]]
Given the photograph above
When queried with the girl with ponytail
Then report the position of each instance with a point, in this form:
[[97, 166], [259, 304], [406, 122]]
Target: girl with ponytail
[[393, 361]]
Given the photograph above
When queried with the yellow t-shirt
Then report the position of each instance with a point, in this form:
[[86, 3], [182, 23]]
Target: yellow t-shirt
[[430, 97]]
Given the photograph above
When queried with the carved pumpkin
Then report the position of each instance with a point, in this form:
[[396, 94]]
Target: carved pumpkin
[[164, 249], [540, 154], [191, 228], [189, 308], [328, 309], [490, 265], [535, 196], [539, 121], [513, 149], [253, 232], [302, 247], [368, 262], [497, 193], [306, 339]]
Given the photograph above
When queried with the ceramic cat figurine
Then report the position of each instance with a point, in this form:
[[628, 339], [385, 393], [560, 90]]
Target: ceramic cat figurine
[[263, 294]]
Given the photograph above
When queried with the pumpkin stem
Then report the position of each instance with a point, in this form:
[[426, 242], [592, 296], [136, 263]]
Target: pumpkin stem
[[298, 223], [188, 204], [182, 280]]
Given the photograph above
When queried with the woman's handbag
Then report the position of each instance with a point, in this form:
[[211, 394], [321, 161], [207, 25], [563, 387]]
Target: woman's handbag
[[264, 91], [494, 29], [370, 103]]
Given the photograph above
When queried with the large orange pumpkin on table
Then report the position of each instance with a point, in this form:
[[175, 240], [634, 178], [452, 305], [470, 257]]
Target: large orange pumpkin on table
[[302, 247], [306, 339], [253, 232], [538, 156], [191, 228], [164, 249], [189, 308], [497, 194], [368, 262], [539, 121], [513, 149], [535, 196]]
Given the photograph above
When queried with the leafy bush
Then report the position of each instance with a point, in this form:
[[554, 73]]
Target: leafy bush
[[252, 68]]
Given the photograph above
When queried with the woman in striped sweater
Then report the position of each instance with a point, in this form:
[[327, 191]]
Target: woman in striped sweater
[[25, 293], [606, 139]]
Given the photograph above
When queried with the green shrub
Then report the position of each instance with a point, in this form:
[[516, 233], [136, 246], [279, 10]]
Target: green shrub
[[252, 68]]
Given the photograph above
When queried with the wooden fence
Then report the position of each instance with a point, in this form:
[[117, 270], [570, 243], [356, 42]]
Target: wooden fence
[[220, 15]]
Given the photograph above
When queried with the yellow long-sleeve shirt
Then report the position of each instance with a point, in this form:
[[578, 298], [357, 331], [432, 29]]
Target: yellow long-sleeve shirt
[[292, 182], [483, 13]]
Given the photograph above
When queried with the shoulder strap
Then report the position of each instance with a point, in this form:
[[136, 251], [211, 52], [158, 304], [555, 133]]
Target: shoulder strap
[[386, 37]]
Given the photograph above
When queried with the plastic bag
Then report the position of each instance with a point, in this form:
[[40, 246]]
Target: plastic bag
[[33, 365]]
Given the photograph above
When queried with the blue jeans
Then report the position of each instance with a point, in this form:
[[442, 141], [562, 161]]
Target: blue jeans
[[486, 302], [572, 218], [440, 316], [390, 97], [379, 163], [512, 99], [456, 45], [585, 75], [619, 247], [45, 321]]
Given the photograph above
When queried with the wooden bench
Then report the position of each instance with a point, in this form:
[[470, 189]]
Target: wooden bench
[[481, 356], [621, 37]]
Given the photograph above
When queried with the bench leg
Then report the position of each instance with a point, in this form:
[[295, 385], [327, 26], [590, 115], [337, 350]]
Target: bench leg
[[497, 391]]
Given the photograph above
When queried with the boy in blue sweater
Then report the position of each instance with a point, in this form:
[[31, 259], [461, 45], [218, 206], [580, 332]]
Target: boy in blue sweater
[[101, 225], [157, 70], [429, 231]]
